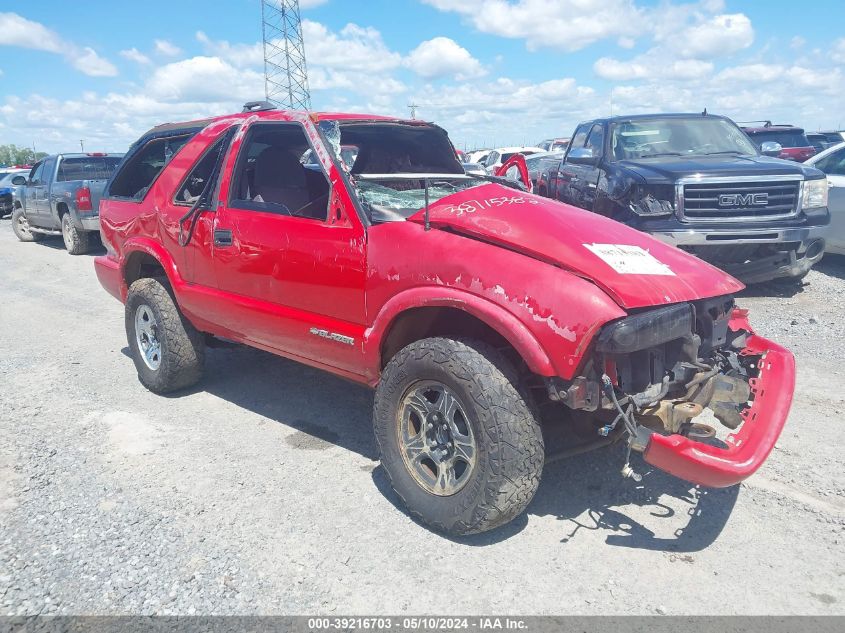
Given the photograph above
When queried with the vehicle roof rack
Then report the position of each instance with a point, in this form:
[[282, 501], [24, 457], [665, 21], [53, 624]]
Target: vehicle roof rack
[[766, 123], [258, 106]]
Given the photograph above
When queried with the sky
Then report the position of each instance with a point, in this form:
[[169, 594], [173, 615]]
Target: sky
[[492, 72]]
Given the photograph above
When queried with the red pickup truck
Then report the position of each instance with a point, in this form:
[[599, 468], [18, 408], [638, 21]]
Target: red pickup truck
[[481, 314]]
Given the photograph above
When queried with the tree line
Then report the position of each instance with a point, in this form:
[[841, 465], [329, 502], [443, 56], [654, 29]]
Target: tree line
[[14, 155]]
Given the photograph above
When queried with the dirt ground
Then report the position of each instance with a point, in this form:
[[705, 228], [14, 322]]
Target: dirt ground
[[259, 491]]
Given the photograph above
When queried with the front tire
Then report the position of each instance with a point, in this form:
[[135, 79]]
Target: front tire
[[21, 228], [169, 353], [457, 436], [76, 242]]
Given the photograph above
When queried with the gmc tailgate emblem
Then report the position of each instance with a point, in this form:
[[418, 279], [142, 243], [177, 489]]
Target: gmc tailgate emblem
[[743, 199]]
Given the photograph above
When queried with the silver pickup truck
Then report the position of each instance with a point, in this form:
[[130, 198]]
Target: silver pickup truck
[[62, 197]]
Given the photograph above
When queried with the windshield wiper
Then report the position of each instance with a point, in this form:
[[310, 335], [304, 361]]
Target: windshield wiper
[[661, 154], [727, 151]]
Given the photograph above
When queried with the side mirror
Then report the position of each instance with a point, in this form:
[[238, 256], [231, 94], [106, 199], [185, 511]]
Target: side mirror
[[770, 148], [581, 156], [19, 180]]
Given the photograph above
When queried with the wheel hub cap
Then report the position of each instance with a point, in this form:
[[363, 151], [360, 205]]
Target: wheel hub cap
[[435, 438], [146, 336]]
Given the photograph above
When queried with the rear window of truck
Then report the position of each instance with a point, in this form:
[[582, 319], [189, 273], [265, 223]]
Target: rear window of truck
[[143, 165], [786, 138], [87, 168]]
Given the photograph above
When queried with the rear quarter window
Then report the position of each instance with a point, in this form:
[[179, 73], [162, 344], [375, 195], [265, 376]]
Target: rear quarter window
[[142, 166]]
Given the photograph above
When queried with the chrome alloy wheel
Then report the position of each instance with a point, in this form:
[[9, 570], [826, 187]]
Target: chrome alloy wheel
[[66, 231], [23, 224], [146, 336], [435, 438]]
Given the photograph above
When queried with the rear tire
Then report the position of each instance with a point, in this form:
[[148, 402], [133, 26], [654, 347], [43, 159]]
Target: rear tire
[[492, 429], [20, 225], [168, 352], [76, 242]]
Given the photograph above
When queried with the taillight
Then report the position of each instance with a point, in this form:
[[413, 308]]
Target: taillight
[[83, 199]]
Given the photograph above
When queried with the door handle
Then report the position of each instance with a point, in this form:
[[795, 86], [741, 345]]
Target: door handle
[[222, 237]]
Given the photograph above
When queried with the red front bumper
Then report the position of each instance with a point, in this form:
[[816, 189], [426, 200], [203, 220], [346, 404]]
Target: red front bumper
[[750, 446]]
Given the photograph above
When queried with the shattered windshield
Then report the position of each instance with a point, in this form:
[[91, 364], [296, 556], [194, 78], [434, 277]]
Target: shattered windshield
[[395, 200], [391, 163]]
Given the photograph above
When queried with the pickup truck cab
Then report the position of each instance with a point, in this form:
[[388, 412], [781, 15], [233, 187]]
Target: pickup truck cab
[[697, 182], [61, 197], [480, 313]]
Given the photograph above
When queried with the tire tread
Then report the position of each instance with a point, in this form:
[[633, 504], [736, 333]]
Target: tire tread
[[508, 420], [184, 355]]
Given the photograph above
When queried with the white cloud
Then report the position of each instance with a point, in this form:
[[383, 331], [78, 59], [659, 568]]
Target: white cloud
[[720, 35], [18, 31], [650, 67], [166, 49], [203, 80], [838, 54], [759, 73], [568, 25], [87, 61], [797, 42], [353, 59], [240, 55], [133, 54], [682, 68], [441, 57], [108, 122], [310, 4], [686, 40], [352, 48]]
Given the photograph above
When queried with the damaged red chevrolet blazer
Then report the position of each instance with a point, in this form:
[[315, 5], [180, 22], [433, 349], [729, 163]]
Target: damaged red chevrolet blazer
[[484, 316]]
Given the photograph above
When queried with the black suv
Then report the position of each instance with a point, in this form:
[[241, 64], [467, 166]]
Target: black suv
[[696, 181]]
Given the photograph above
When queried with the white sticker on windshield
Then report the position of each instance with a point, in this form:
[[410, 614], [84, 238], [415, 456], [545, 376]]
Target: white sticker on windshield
[[629, 260]]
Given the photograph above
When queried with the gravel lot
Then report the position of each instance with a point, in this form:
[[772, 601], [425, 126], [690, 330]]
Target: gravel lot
[[259, 492]]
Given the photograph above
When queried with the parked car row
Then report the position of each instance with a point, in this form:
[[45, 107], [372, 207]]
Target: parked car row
[[483, 315]]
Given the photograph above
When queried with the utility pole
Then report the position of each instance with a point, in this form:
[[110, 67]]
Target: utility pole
[[82, 145], [285, 72], [413, 107]]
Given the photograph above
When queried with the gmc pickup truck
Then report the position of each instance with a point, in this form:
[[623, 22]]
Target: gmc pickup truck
[[480, 313], [696, 181], [61, 197]]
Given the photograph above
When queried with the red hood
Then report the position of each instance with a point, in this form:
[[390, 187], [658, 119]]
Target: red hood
[[632, 267]]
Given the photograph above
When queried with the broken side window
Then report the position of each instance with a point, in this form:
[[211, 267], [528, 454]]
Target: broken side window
[[138, 172]]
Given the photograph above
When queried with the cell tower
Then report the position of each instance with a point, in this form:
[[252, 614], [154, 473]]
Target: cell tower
[[285, 74]]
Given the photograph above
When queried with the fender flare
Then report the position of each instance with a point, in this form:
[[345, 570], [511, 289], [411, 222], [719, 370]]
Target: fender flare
[[154, 250], [502, 321]]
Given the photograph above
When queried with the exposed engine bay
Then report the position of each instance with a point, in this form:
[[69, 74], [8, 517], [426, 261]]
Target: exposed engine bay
[[657, 370]]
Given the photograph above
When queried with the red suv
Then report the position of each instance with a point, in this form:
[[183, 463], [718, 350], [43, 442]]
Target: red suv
[[480, 313], [786, 141]]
